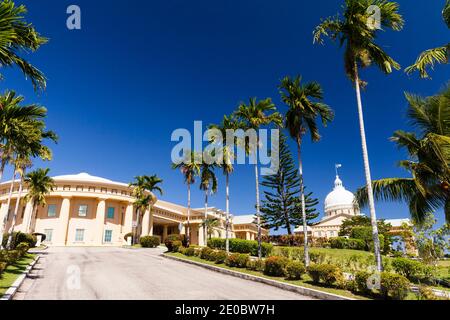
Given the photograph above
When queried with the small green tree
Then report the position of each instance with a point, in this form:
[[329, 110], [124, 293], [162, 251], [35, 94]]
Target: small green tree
[[282, 206]]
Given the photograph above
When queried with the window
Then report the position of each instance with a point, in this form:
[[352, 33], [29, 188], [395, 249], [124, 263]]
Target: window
[[79, 235], [48, 234], [66, 188], [108, 236], [82, 210], [23, 212], [79, 188], [51, 211], [91, 189], [110, 214]]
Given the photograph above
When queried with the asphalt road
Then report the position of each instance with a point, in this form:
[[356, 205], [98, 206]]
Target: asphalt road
[[139, 274]]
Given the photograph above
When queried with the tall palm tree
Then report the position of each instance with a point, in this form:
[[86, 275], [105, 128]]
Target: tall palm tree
[[431, 56], [228, 123], [13, 120], [143, 191], [355, 32], [25, 151], [301, 119], [19, 36], [255, 115], [190, 168], [428, 189], [39, 185], [208, 183]]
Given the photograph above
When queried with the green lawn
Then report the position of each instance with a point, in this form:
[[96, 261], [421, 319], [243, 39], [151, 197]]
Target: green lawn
[[305, 282], [12, 272]]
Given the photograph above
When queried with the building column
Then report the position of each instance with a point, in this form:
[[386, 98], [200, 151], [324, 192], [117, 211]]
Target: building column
[[145, 223], [201, 236], [247, 235], [165, 230], [150, 225], [128, 222], [100, 222], [64, 218]]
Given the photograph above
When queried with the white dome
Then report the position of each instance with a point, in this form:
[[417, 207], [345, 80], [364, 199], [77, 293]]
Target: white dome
[[339, 197]]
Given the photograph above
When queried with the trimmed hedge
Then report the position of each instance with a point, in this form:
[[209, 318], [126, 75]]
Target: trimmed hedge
[[256, 265], [170, 239], [344, 243], [149, 241], [241, 246]]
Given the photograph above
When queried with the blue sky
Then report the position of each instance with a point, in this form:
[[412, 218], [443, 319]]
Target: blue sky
[[138, 70]]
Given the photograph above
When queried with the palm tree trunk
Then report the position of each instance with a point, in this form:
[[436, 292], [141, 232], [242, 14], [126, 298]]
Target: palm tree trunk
[[258, 215], [8, 203], [205, 227], [373, 217], [30, 227], [16, 211], [188, 229], [302, 197], [2, 169], [136, 227], [227, 214]]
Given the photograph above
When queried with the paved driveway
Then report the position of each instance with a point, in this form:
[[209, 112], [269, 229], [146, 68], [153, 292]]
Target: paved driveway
[[119, 273]]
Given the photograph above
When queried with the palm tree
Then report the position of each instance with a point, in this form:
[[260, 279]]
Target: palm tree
[[210, 224], [228, 123], [39, 185], [17, 35], [143, 191], [254, 116], [25, 150], [357, 34], [300, 119], [208, 183], [431, 56], [190, 168], [13, 120], [428, 189]]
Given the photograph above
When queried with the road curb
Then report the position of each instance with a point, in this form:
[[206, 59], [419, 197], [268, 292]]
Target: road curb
[[9, 294], [285, 286]]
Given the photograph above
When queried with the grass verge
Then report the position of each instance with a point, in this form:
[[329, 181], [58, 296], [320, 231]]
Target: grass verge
[[12, 272], [305, 282]]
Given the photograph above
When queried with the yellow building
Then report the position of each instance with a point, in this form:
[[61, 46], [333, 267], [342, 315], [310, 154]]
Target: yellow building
[[85, 210]]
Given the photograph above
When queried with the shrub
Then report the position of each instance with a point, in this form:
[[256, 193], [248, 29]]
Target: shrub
[[275, 266], [13, 256], [176, 245], [426, 293], [394, 286], [314, 272], [43, 236], [3, 266], [256, 265], [361, 278], [18, 237], [169, 241], [241, 246], [182, 250], [344, 243], [189, 252], [238, 260], [295, 270], [412, 270], [330, 274], [365, 234], [220, 256], [149, 241], [206, 253], [22, 248]]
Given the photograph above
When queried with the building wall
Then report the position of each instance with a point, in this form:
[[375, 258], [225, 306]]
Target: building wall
[[66, 226]]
